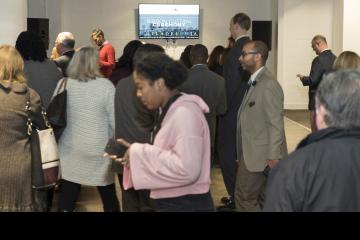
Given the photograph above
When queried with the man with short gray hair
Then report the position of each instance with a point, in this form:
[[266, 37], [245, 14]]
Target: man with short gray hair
[[321, 65], [64, 43], [323, 174]]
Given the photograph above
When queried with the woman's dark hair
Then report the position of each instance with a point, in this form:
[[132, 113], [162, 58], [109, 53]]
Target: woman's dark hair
[[214, 58], [185, 56], [126, 60], [30, 46], [159, 65]]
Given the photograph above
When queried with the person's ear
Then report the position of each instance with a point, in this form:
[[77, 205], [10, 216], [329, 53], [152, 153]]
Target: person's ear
[[258, 57], [160, 84], [320, 117]]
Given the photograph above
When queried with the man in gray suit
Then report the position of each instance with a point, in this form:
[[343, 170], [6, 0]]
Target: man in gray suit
[[208, 85], [235, 83], [260, 136]]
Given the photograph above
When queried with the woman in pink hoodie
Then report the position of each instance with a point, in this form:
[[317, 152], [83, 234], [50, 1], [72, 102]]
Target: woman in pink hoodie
[[176, 168]]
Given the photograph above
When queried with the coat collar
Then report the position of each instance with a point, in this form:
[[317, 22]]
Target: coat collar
[[327, 133], [199, 66], [14, 86]]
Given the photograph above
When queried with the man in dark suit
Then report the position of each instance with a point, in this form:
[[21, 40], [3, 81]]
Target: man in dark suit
[[235, 84], [65, 43], [323, 63], [208, 85], [133, 122]]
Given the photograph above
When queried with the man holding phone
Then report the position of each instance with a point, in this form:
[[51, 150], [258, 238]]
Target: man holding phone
[[134, 123]]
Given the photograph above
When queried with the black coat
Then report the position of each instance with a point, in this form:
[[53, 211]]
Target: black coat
[[133, 122], [211, 88], [322, 175], [235, 84], [63, 61], [321, 65]]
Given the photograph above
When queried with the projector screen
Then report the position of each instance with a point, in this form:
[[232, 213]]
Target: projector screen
[[169, 21]]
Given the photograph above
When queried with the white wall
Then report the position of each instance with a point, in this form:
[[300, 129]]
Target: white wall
[[351, 33], [13, 14], [37, 8], [299, 22], [338, 27], [118, 20], [54, 11]]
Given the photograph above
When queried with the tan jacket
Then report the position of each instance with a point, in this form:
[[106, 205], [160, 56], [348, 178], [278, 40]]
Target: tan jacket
[[260, 123]]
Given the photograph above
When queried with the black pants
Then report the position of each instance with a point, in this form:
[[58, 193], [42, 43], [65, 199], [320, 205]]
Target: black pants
[[70, 192], [187, 203], [135, 200]]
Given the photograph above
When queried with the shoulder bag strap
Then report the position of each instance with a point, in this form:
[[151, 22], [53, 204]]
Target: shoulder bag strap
[[28, 109], [29, 122], [63, 83]]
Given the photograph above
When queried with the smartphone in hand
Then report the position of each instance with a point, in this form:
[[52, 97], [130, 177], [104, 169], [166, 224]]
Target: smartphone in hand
[[114, 148], [267, 171]]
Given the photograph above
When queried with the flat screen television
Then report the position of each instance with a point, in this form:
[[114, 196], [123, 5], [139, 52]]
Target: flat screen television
[[169, 21]]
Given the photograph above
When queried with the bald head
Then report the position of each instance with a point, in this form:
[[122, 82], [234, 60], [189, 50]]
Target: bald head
[[199, 54]]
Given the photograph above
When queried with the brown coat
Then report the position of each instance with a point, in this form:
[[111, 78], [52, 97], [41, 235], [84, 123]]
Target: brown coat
[[15, 157]]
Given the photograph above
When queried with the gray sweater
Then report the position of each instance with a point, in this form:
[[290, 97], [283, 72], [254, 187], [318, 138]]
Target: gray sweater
[[42, 77], [90, 123]]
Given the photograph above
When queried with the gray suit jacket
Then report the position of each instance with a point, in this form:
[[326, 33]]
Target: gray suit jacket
[[211, 88], [260, 123]]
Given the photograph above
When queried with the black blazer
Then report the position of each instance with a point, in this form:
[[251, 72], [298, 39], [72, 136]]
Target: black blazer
[[210, 87], [321, 64], [63, 61], [234, 75], [236, 85]]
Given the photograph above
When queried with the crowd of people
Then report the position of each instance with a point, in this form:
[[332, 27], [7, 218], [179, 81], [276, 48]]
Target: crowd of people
[[170, 121]]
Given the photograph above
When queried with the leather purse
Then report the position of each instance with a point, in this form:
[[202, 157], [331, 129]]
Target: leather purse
[[45, 160], [56, 111]]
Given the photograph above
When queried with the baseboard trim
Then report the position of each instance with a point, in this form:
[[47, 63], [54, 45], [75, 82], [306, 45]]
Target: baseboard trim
[[291, 106]]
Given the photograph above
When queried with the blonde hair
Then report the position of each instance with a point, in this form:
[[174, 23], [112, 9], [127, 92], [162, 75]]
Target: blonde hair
[[54, 54], [11, 65], [97, 32], [347, 60], [84, 64]]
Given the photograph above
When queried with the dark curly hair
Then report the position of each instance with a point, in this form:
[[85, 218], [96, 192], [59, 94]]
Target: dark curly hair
[[31, 46], [126, 60], [185, 56], [159, 65]]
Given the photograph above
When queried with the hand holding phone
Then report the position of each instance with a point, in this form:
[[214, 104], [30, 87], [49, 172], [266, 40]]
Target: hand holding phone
[[115, 149]]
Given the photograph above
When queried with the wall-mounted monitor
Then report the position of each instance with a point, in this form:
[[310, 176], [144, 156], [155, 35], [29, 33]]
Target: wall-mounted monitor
[[169, 21]]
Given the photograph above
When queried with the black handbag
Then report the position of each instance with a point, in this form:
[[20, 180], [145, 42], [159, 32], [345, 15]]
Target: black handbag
[[45, 160], [56, 111]]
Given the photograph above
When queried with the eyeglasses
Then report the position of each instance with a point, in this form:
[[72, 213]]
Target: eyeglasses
[[244, 54]]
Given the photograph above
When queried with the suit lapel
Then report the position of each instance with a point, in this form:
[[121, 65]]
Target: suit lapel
[[251, 90], [248, 95]]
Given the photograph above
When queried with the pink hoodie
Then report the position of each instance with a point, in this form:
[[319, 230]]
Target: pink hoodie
[[179, 161]]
